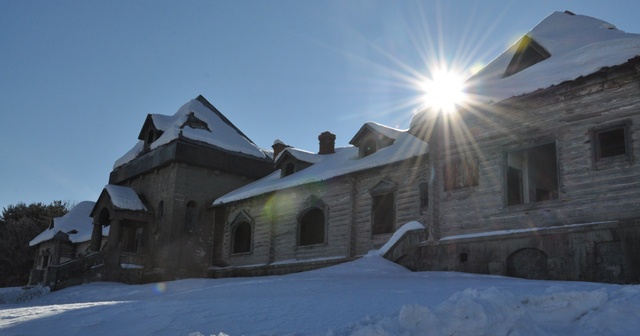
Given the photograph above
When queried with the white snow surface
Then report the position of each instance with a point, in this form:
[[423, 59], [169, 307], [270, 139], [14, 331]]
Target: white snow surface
[[579, 45], [78, 219], [124, 198], [370, 296], [220, 133], [410, 226], [344, 161], [301, 155], [387, 131]]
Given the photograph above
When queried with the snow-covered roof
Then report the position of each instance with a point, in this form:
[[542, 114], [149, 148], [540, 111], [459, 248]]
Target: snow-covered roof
[[124, 198], [387, 131], [220, 133], [344, 161], [578, 46], [77, 224], [301, 155]]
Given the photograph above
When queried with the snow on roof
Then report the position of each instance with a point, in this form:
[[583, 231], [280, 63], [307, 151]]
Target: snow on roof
[[222, 133], [579, 45], [387, 131], [77, 224], [345, 160], [124, 198], [302, 155]]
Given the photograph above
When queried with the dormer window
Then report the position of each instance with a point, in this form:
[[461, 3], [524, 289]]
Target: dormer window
[[152, 136], [527, 53], [370, 146], [289, 169]]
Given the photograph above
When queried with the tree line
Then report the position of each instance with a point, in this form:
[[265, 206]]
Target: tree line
[[19, 224]]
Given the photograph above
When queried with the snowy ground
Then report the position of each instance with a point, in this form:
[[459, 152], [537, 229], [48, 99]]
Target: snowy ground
[[370, 296]]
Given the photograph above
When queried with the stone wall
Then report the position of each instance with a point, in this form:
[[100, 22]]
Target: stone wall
[[603, 252]]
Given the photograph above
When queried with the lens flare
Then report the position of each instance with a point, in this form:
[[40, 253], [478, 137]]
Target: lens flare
[[444, 91]]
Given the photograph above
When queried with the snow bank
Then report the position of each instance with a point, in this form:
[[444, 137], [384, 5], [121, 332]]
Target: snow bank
[[496, 312], [369, 296], [18, 294]]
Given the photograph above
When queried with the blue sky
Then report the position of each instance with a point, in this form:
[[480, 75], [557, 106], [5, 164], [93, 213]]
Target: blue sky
[[77, 78]]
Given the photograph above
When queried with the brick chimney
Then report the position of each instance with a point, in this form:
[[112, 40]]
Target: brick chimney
[[278, 146], [327, 143]]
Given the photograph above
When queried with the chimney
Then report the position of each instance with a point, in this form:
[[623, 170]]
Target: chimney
[[327, 143], [278, 146]]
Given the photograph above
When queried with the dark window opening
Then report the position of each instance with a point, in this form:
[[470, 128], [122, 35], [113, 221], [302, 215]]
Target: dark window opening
[[289, 169], [424, 195], [461, 173], [383, 211], [532, 175], [159, 215], [312, 227], [463, 257], [132, 239], [527, 53], [241, 238], [45, 260], [369, 148], [611, 142], [191, 217]]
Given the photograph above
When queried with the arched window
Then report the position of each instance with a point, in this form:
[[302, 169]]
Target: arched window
[[191, 217], [311, 227], [241, 238], [370, 147]]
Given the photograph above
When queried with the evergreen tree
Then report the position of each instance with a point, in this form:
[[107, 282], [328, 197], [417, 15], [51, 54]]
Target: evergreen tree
[[19, 224]]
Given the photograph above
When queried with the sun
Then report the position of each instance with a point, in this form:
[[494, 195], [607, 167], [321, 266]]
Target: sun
[[443, 91]]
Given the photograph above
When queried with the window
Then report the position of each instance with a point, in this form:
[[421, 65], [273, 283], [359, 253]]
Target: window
[[532, 175], [241, 238], [610, 142], [159, 215], [289, 169], [132, 238], [370, 146], [191, 217], [461, 173], [423, 188], [383, 212], [312, 227]]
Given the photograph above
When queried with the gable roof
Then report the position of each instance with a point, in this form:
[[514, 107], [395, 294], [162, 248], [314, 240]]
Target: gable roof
[[373, 127], [122, 198], [577, 45], [76, 224], [344, 161], [196, 120], [298, 155]]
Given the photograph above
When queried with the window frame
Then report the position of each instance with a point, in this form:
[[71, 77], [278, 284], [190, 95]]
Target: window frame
[[596, 149], [234, 240], [461, 164], [302, 215], [525, 199]]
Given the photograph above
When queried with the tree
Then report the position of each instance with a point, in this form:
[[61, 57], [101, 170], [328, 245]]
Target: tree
[[19, 224]]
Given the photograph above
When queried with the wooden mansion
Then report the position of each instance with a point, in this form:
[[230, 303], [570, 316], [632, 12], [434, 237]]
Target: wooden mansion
[[535, 176]]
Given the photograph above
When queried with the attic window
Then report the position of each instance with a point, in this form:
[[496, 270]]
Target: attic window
[[195, 123], [289, 169], [152, 135], [528, 53], [370, 146]]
